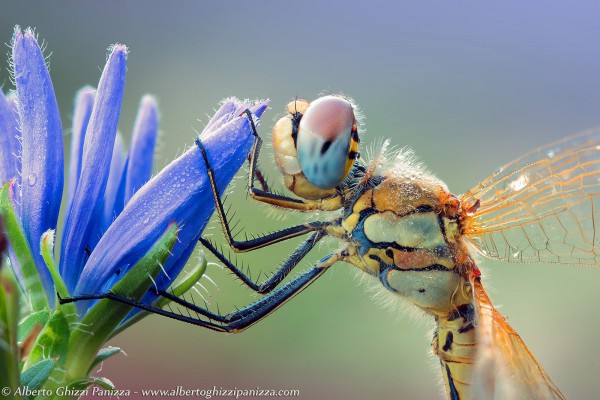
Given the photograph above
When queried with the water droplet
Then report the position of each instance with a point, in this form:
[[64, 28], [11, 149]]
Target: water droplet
[[32, 179], [146, 220]]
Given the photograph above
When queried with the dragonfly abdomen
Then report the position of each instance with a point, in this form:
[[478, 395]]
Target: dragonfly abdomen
[[455, 344]]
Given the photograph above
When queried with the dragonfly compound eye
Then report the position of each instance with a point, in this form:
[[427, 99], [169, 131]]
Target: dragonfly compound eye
[[327, 141]]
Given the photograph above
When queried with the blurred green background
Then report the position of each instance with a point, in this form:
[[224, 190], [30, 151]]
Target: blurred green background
[[468, 86]]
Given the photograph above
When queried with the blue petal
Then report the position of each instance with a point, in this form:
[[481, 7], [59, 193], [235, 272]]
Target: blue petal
[[258, 109], [42, 155], [117, 166], [86, 209], [227, 110], [119, 201], [181, 193], [141, 151], [10, 148], [84, 101]]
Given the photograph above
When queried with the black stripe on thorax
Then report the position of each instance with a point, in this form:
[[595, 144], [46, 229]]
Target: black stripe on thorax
[[453, 392], [432, 267], [466, 312], [449, 340]]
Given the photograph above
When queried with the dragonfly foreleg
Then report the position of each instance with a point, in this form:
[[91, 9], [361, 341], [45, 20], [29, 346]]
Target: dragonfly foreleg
[[264, 195], [256, 243]]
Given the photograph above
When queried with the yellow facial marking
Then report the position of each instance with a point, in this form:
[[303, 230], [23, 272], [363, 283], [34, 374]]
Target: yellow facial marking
[[352, 150], [285, 154], [297, 106]]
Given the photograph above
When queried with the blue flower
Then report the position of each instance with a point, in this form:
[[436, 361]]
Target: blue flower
[[123, 231], [115, 212]]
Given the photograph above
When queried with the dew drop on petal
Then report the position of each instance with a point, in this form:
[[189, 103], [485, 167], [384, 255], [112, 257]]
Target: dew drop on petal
[[32, 179]]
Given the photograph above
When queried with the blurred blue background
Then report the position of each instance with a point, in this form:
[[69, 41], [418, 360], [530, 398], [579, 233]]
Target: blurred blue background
[[469, 86]]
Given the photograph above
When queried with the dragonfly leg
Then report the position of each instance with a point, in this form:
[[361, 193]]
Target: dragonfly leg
[[279, 275], [146, 307], [255, 243], [263, 195], [236, 321]]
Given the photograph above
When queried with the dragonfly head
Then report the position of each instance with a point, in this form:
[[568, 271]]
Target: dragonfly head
[[316, 145]]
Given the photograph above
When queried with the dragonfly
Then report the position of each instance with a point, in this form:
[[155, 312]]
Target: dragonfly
[[398, 223]]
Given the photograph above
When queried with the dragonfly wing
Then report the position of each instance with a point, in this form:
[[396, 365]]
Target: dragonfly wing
[[504, 364], [544, 207]]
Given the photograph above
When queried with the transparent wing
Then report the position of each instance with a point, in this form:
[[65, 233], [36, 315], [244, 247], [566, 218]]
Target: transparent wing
[[543, 207], [504, 365]]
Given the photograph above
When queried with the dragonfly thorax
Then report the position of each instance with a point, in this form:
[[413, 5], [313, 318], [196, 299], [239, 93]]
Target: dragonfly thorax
[[406, 233]]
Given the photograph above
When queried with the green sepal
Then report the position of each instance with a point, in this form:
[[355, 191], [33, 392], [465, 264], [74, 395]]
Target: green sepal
[[16, 237], [30, 321], [104, 354], [185, 283], [9, 315], [47, 249], [36, 375], [52, 341], [178, 288], [80, 384], [106, 314]]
